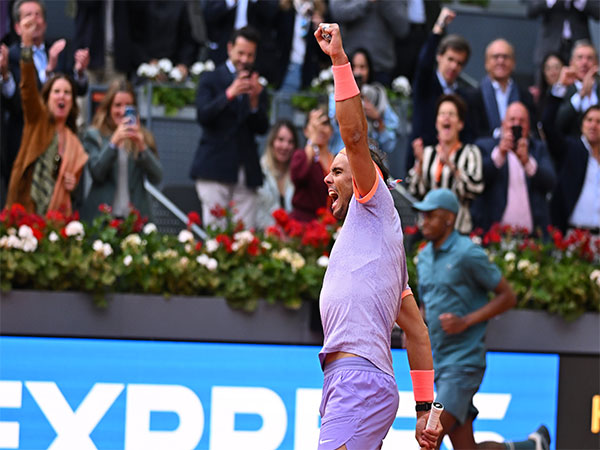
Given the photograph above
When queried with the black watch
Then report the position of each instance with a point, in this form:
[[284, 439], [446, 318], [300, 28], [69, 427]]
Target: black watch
[[423, 406], [26, 54]]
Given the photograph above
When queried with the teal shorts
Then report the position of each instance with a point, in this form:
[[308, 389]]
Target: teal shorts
[[455, 388]]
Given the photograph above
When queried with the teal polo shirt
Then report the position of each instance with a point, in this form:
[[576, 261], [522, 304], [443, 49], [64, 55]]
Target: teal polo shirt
[[456, 278]]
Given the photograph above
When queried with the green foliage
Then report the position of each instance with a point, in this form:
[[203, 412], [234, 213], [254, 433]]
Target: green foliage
[[173, 98]]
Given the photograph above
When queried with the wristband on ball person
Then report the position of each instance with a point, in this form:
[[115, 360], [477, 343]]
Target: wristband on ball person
[[345, 86]]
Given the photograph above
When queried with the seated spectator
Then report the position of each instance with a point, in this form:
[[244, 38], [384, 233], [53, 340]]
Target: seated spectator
[[50, 159], [277, 189], [576, 199], [381, 118], [518, 175], [374, 25], [309, 167], [122, 154], [451, 53], [550, 71], [450, 163], [584, 92], [497, 89]]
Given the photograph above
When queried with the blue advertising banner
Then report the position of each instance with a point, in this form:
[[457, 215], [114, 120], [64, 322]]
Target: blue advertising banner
[[111, 394]]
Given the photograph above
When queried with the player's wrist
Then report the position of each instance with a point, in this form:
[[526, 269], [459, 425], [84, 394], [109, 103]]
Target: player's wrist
[[423, 406]]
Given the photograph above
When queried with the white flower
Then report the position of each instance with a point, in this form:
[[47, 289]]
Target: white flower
[[244, 237], [188, 248], [29, 244], [107, 250], [202, 259], [326, 74], [97, 245], [75, 228], [197, 68], [523, 264], [152, 71], [143, 70], [212, 245], [185, 236], [127, 260], [25, 232], [184, 261], [131, 240], [209, 65], [510, 256], [53, 237], [315, 82], [176, 74], [402, 86], [149, 228], [476, 240], [165, 65], [236, 246], [4, 242], [323, 261], [14, 242], [595, 276], [11, 232], [266, 245], [212, 264]]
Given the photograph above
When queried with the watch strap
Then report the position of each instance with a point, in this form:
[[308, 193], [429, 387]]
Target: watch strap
[[423, 406]]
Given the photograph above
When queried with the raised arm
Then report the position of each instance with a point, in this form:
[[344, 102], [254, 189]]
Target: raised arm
[[349, 109]]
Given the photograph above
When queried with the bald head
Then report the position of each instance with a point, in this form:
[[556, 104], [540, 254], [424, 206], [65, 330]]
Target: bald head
[[500, 60], [517, 114]]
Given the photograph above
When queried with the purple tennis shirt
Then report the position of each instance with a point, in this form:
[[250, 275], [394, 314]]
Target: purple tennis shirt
[[365, 280]]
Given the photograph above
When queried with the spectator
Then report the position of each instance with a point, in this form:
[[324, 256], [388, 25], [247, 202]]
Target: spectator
[[309, 167], [223, 17], [563, 23], [294, 45], [47, 62], [162, 29], [122, 154], [518, 175], [232, 109], [576, 200], [374, 25], [277, 189], [584, 92], [497, 89], [382, 120], [451, 54], [51, 159], [449, 164], [550, 71], [104, 28], [455, 278]]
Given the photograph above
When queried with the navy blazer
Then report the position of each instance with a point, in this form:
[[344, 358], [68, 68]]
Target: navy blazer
[[426, 92], [571, 158], [489, 207], [229, 129], [568, 120], [489, 117]]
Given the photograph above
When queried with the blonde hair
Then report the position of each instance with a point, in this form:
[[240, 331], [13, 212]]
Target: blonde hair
[[268, 158]]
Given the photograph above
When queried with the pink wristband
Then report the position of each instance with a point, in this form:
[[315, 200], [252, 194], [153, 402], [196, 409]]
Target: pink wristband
[[344, 83], [422, 381]]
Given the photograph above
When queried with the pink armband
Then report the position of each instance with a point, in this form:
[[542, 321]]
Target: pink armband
[[422, 381], [344, 83]]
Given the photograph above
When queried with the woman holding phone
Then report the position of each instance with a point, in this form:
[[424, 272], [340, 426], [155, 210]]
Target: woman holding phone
[[122, 154]]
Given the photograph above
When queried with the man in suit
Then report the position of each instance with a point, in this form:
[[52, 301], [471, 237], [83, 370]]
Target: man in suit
[[563, 23], [575, 201], [232, 108], [584, 92], [47, 60], [518, 174], [431, 81], [498, 89]]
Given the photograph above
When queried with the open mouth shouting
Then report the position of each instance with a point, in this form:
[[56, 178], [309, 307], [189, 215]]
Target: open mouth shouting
[[333, 195]]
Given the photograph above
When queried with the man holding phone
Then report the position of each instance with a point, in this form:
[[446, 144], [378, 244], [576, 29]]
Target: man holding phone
[[518, 174]]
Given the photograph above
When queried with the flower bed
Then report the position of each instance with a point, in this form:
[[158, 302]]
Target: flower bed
[[286, 263]]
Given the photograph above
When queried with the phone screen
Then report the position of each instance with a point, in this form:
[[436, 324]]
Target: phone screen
[[130, 115]]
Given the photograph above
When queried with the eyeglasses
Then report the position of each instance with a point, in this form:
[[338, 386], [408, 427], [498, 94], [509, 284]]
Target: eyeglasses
[[497, 56], [56, 166]]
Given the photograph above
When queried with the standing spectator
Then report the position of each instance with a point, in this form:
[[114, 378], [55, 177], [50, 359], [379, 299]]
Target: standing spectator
[[47, 60], [550, 71], [122, 155], [518, 175], [374, 25], [309, 167], [232, 109], [451, 53], [104, 27], [277, 189], [50, 159], [584, 92], [497, 89], [449, 164], [382, 120], [576, 199], [563, 23], [455, 279]]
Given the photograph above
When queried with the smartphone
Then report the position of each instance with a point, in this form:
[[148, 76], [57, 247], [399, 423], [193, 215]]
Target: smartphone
[[130, 116], [517, 131]]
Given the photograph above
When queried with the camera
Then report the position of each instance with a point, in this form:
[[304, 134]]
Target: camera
[[517, 132], [130, 115]]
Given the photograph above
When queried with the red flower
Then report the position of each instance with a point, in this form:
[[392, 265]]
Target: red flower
[[224, 240], [55, 216], [315, 235], [193, 218], [104, 208], [37, 234], [198, 246], [115, 223], [281, 217], [253, 247], [218, 211], [410, 230], [274, 231], [294, 228]]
